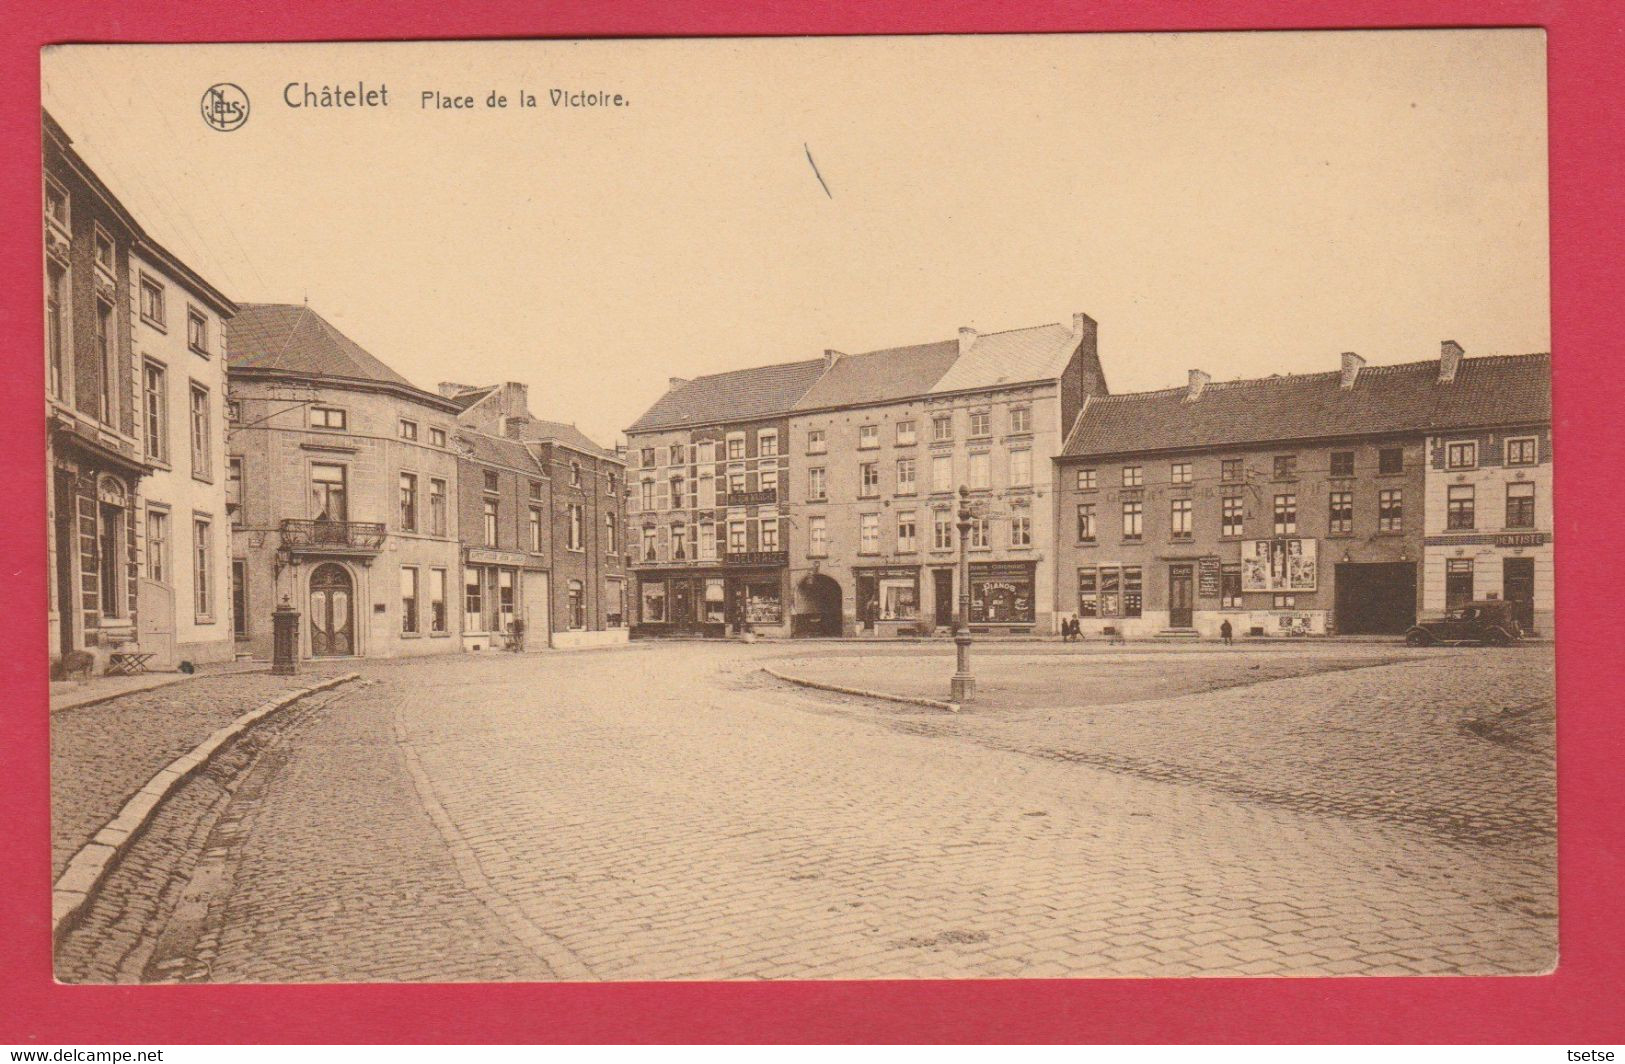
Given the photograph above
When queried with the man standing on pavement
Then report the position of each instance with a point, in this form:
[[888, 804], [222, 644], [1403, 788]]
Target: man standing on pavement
[[1225, 631]]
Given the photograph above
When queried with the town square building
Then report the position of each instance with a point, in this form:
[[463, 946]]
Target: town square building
[[1288, 505], [179, 326], [709, 507], [345, 477], [880, 446], [1489, 490], [134, 402], [543, 512]]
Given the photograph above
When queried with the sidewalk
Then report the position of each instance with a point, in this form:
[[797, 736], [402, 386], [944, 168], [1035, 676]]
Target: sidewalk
[[108, 744], [71, 694]]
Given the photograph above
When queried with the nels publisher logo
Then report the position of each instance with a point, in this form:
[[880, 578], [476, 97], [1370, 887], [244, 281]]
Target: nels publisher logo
[[225, 106]]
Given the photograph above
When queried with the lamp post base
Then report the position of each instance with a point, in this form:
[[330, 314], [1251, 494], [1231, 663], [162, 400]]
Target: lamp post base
[[961, 688]]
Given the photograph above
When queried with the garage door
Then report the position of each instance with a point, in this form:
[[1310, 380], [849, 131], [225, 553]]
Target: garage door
[[1375, 598]]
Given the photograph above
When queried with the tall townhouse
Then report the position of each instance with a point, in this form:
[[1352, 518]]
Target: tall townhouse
[[503, 512], [185, 603], [880, 446], [573, 508], [1288, 505], [93, 454], [709, 509], [345, 476], [135, 412], [1489, 487]]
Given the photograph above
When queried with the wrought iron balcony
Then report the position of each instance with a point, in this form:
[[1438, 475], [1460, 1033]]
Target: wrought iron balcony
[[332, 537]]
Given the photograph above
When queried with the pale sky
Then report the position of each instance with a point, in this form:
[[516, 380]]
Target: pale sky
[[1241, 203]]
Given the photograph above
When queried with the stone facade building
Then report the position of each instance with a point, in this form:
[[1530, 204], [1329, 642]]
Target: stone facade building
[[1489, 492], [880, 445], [1289, 505], [186, 607], [134, 405], [709, 509], [346, 504]]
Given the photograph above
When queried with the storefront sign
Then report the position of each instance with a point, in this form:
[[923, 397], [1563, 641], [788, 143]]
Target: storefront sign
[[490, 556], [758, 557], [1001, 593], [1208, 577], [1279, 565], [1520, 539]]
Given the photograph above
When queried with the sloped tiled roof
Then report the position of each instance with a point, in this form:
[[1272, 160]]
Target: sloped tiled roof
[[1037, 353], [1491, 390], [881, 376], [568, 435], [464, 400], [295, 339], [498, 451], [764, 391]]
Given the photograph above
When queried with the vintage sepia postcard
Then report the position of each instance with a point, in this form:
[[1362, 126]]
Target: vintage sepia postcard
[[952, 507]]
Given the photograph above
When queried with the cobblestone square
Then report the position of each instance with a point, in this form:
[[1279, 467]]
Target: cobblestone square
[[505, 817]]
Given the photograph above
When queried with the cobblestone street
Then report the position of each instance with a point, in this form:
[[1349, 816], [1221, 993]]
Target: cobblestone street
[[539, 817]]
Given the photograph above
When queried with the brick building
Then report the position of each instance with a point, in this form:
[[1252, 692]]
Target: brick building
[[572, 507], [880, 445], [1289, 505], [346, 477], [709, 505]]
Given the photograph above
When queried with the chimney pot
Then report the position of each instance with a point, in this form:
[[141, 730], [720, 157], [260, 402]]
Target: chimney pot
[[1197, 383], [967, 337], [1352, 364], [1450, 356]]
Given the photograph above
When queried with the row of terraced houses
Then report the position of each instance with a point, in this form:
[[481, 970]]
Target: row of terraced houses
[[209, 461], [821, 496]]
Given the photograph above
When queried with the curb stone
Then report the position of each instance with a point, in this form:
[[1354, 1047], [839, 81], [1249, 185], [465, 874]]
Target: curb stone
[[77, 886], [885, 696]]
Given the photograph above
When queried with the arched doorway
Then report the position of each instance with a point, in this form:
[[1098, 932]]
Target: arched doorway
[[332, 612], [823, 602]]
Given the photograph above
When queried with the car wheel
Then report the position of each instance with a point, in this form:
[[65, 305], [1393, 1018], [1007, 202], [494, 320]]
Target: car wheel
[[1417, 638], [1496, 638]]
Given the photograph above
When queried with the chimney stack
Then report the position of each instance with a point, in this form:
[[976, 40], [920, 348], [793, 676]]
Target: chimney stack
[[515, 399], [832, 356], [1352, 364], [674, 383], [967, 337], [1450, 356], [1198, 382]]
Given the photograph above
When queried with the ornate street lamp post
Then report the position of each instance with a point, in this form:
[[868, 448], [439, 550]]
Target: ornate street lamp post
[[963, 685]]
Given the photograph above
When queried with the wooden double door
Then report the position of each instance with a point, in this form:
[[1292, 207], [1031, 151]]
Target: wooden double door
[[332, 612]]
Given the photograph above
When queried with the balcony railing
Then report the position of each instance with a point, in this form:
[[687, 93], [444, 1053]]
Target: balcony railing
[[344, 537]]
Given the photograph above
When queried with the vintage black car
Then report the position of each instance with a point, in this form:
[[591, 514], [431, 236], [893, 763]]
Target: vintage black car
[[1489, 621]]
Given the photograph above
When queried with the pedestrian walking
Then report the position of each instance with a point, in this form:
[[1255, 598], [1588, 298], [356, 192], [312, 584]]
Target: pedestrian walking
[[1225, 632]]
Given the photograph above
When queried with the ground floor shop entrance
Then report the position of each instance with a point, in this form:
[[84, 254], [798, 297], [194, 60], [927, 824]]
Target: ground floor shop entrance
[[1518, 588], [1375, 598], [1181, 595], [942, 586]]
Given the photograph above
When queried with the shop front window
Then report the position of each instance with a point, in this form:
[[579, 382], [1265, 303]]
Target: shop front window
[[654, 601]]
